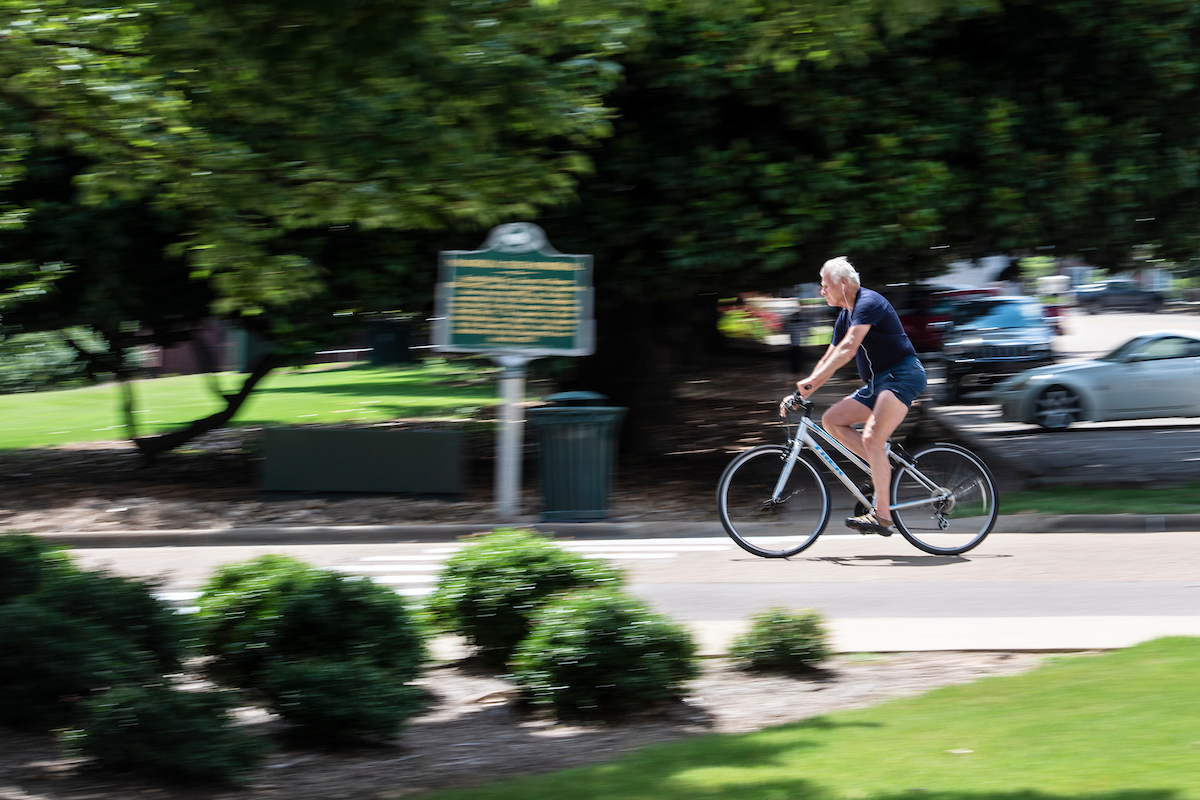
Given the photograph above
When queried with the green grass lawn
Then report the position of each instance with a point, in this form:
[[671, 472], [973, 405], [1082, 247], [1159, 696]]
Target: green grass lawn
[[350, 394], [1105, 500], [1119, 726]]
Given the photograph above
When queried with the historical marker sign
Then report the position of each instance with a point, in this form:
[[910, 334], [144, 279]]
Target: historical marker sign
[[516, 296]]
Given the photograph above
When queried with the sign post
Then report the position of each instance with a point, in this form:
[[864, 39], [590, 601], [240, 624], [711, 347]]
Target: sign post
[[516, 299]]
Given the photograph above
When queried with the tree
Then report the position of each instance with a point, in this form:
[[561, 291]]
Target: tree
[[239, 124], [746, 153]]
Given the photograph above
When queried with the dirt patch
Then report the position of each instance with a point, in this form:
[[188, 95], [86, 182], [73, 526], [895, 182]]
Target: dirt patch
[[474, 733]]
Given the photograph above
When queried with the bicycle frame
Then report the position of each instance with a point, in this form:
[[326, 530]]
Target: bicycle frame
[[807, 434]]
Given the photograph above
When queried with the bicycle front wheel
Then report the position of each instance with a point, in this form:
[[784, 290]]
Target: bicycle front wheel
[[952, 496], [766, 524]]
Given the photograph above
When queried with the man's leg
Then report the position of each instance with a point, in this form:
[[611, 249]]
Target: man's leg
[[838, 420], [888, 414]]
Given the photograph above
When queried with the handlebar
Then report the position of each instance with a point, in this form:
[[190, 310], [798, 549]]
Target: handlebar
[[796, 400]]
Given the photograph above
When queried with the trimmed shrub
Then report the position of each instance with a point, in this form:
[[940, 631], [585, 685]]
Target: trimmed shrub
[[238, 612], [780, 640], [123, 608], [340, 702], [267, 611], [601, 653], [50, 661], [168, 733], [25, 563], [488, 591]]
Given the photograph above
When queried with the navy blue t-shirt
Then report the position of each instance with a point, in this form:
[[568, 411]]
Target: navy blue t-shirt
[[885, 344]]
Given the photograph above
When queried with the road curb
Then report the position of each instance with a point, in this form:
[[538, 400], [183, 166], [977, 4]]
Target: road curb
[[397, 534], [373, 534]]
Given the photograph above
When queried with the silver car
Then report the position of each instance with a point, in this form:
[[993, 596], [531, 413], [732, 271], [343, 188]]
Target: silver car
[[1155, 374]]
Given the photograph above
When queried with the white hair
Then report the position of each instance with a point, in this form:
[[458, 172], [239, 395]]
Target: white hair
[[841, 270]]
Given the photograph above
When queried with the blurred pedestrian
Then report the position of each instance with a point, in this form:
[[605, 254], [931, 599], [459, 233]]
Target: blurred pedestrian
[[796, 327]]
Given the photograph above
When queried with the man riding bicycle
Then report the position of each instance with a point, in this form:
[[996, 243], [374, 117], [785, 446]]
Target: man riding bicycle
[[868, 330]]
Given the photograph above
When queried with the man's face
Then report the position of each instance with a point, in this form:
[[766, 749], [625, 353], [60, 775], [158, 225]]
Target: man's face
[[834, 292]]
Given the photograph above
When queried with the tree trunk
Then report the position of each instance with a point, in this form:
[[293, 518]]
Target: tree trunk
[[153, 446], [642, 349]]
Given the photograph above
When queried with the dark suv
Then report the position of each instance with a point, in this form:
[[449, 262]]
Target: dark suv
[[1117, 294], [992, 338], [924, 309]]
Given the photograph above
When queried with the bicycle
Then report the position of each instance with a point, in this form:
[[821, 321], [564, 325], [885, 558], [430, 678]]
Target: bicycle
[[774, 503]]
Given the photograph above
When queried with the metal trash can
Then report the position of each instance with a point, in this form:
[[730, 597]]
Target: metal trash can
[[577, 444]]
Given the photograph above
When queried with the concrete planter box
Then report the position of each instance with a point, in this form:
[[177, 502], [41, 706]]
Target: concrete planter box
[[381, 461]]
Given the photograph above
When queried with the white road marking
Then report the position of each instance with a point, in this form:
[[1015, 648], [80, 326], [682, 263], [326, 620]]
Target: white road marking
[[386, 567], [402, 558]]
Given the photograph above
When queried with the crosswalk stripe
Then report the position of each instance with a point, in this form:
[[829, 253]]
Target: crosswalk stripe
[[413, 574], [389, 579], [621, 554], [386, 567], [403, 558]]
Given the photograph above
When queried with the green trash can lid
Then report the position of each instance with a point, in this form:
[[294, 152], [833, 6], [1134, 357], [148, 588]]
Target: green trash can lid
[[576, 399]]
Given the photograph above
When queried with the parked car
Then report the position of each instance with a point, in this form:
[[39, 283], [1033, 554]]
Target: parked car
[[1154, 374], [925, 309], [1117, 294], [992, 338]]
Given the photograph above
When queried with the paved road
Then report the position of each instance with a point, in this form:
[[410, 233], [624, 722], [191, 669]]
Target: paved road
[[1016, 591]]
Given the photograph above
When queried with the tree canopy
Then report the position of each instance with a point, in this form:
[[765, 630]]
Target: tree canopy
[[298, 158], [218, 149]]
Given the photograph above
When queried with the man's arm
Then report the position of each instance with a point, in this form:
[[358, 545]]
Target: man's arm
[[836, 356]]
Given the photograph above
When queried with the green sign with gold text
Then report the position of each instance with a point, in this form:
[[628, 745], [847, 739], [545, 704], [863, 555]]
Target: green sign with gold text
[[517, 296]]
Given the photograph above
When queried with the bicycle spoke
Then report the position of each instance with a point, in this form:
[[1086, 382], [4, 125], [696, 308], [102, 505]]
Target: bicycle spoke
[[958, 522], [773, 528]]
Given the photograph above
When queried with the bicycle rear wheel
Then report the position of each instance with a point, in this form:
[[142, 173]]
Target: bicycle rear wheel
[[772, 528], [956, 523]]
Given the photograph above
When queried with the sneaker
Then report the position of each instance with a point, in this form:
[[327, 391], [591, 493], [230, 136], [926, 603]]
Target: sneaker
[[869, 523]]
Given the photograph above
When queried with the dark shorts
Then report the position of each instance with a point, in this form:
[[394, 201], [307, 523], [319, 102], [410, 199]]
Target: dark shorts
[[906, 379]]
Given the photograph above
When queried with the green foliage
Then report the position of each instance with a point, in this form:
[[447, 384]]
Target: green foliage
[[1035, 267], [165, 163], [68, 633], [338, 395], [600, 653], [337, 702], [50, 661], [738, 323], [122, 608], [274, 608], [26, 562], [423, 114], [32, 361], [238, 610], [182, 736], [1113, 499], [780, 640], [488, 591]]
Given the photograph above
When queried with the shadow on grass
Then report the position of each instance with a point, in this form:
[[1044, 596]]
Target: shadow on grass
[[676, 777]]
